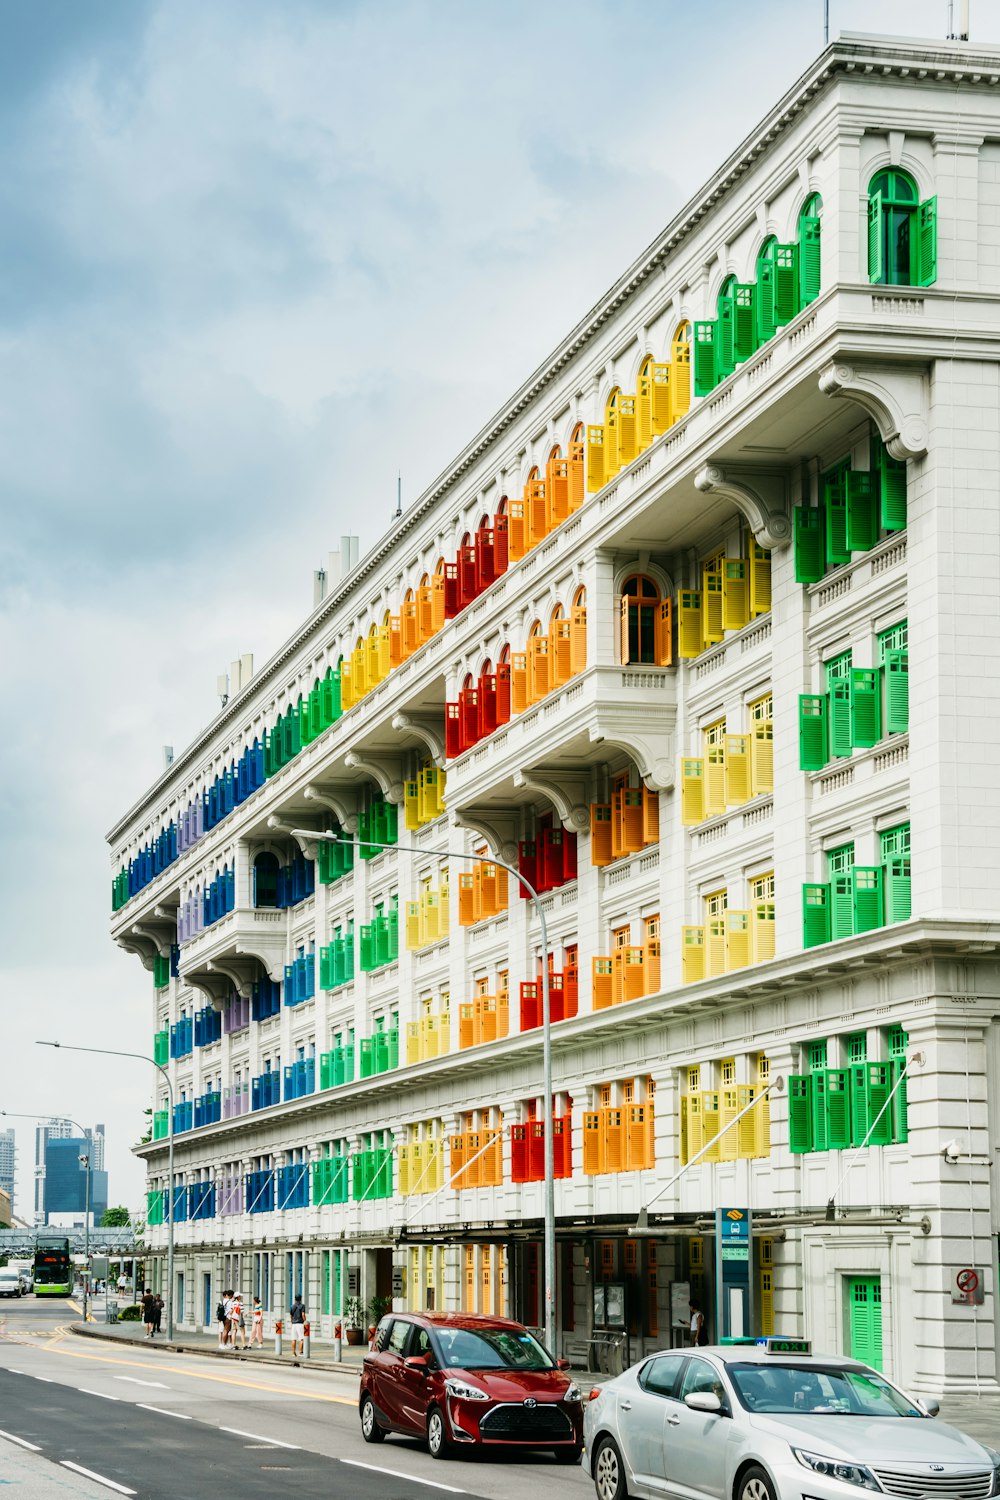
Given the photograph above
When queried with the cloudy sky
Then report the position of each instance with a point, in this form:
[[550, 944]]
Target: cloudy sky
[[256, 256]]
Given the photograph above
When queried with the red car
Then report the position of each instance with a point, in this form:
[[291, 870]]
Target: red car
[[455, 1379]]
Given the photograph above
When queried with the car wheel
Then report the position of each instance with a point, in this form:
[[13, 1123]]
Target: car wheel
[[370, 1430], [437, 1435], [609, 1472], [755, 1484], [569, 1455]]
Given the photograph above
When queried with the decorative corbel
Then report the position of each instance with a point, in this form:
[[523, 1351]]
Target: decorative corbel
[[760, 496], [162, 940], [385, 769], [427, 729], [307, 845], [498, 828], [239, 971], [342, 803], [144, 948], [567, 791], [214, 989], [894, 396]]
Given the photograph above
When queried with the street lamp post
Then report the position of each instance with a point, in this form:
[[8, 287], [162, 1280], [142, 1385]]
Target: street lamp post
[[84, 1160], [144, 1057], [549, 1247]]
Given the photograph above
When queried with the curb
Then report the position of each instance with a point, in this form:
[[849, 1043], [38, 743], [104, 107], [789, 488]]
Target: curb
[[85, 1331]]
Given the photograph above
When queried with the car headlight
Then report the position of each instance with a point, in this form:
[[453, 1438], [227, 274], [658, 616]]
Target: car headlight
[[462, 1391], [835, 1468], [573, 1393]]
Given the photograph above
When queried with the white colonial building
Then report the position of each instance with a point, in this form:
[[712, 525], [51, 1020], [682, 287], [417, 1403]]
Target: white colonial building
[[702, 634]]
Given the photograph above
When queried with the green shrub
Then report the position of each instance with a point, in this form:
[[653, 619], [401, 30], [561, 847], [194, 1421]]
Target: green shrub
[[130, 1314]]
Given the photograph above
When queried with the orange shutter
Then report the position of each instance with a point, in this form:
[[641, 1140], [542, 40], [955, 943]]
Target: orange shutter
[[578, 640], [518, 682], [650, 816], [576, 476], [600, 834], [602, 973], [623, 630], [517, 539], [663, 640]]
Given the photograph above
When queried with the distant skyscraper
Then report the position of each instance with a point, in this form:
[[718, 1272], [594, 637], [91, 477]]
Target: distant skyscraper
[[7, 1163], [60, 1177]]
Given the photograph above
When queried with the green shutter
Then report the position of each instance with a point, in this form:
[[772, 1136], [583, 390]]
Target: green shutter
[[865, 1295], [744, 321], [860, 1116], [841, 741], [892, 491], [809, 549], [786, 283], [765, 298], [809, 257], [705, 375], [725, 357], [897, 889], [876, 268], [897, 692], [924, 251], [799, 1113], [841, 907], [867, 897], [866, 707], [900, 1124], [838, 1111], [835, 507], [862, 511], [815, 915], [813, 749], [880, 1081], [820, 1128]]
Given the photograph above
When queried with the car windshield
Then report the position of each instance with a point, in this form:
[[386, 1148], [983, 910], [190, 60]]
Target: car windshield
[[807, 1389], [491, 1349]]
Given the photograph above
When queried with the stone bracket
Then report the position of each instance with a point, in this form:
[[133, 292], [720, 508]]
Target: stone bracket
[[895, 397], [240, 972], [387, 770], [343, 804], [214, 989], [759, 495], [499, 828], [427, 728], [307, 845], [162, 934], [144, 948], [653, 755], [568, 791]]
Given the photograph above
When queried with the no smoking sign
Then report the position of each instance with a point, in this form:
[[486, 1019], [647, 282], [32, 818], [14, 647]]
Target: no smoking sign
[[968, 1286]]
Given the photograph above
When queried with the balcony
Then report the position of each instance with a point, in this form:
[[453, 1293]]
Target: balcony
[[232, 950]]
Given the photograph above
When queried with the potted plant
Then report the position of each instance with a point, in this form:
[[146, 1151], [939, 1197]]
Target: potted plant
[[377, 1309], [354, 1310]]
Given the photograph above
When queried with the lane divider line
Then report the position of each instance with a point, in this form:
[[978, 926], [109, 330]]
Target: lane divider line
[[44, 1379], [103, 1394], [255, 1437], [249, 1385], [21, 1442], [356, 1463], [134, 1380], [112, 1484], [180, 1415]]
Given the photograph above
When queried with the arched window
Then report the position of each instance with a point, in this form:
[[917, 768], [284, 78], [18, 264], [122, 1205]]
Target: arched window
[[645, 623], [265, 880], [680, 371], [902, 232], [810, 224]]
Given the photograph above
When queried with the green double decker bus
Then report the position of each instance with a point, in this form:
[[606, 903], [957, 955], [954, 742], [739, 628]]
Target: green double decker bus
[[53, 1271]]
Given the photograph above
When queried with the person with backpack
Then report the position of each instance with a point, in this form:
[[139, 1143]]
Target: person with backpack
[[220, 1318], [148, 1311], [297, 1318]]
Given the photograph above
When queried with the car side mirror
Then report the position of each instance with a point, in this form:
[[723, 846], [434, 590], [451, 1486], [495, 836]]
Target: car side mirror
[[706, 1401], [930, 1407], [563, 1364], [418, 1362]]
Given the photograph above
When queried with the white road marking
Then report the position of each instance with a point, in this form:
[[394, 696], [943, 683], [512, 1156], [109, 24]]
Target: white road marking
[[21, 1442], [255, 1437], [180, 1415], [356, 1463], [100, 1478], [103, 1394], [44, 1379], [134, 1380]]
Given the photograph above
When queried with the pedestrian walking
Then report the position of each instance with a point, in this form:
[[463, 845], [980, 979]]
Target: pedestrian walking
[[148, 1311], [157, 1313], [699, 1328], [297, 1318], [122, 1283], [220, 1318], [237, 1324], [257, 1324]]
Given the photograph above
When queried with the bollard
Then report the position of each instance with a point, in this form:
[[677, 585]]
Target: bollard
[[371, 1336], [338, 1342], [277, 1337], [305, 1341]]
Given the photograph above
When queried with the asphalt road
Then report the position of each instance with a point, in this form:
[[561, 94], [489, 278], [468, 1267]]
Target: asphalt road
[[160, 1426]]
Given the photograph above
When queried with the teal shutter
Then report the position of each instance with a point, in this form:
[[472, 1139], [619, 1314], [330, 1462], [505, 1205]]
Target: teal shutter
[[815, 915], [924, 263], [799, 1113], [867, 897], [809, 258], [725, 356], [820, 1126], [897, 889], [813, 751], [835, 506], [897, 692], [808, 543], [786, 283], [876, 267], [705, 374], [860, 1115], [841, 907], [862, 514], [838, 1110], [892, 492], [866, 707], [765, 297], [841, 741], [880, 1081], [744, 321]]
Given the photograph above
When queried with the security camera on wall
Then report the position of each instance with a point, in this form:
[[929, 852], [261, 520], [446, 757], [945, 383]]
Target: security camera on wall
[[951, 1152]]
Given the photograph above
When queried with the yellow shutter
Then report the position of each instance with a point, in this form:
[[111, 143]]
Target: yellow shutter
[[715, 947], [715, 780], [689, 623], [692, 792], [662, 414], [680, 399], [693, 954], [413, 924], [762, 757], [437, 602], [737, 939], [763, 931], [735, 594], [710, 1123], [737, 769], [627, 437], [595, 460], [712, 627], [745, 1129], [759, 569], [411, 804], [413, 1040], [728, 1110], [644, 410]]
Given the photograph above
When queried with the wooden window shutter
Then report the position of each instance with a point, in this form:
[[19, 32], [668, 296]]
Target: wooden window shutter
[[595, 459], [744, 321], [705, 376], [689, 631], [841, 906], [762, 757], [627, 430], [810, 257], [838, 1110], [876, 220], [738, 940], [799, 1113], [808, 532], [663, 640], [923, 264], [866, 707], [813, 741], [725, 354], [841, 729], [692, 791], [712, 627], [835, 507], [897, 889], [786, 283], [897, 692], [892, 491], [759, 576], [660, 399], [866, 895], [735, 594], [816, 927], [692, 954], [862, 514], [623, 649], [600, 834], [737, 769], [644, 409], [765, 296], [879, 1086]]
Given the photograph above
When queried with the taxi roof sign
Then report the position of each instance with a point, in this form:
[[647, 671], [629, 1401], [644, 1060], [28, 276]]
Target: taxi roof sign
[[773, 1345]]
